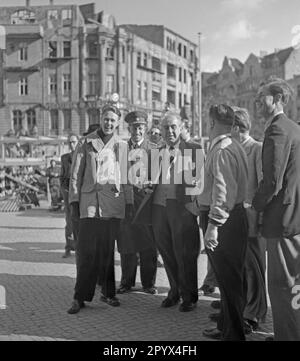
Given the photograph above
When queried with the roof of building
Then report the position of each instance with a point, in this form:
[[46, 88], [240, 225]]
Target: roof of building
[[281, 55], [153, 33]]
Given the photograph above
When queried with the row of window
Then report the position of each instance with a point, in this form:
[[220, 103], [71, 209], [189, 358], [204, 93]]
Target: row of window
[[181, 49], [54, 120], [66, 85], [28, 17], [30, 117]]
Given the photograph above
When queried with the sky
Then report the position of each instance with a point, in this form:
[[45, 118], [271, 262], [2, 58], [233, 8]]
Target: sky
[[233, 28]]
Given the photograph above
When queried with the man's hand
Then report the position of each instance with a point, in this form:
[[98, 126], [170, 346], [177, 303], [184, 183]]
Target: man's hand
[[211, 237], [129, 212], [75, 213]]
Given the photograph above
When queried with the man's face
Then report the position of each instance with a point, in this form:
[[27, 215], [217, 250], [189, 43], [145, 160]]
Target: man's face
[[185, 133], [52, 163], [171, 129], [73, 143], [264, 103], [155, 136], [109, 122], [137, 132]]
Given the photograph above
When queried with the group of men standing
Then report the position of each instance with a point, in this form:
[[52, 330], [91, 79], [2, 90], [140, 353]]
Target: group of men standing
[[157, 208]]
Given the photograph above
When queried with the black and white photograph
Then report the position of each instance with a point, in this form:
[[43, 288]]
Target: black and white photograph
[[150, 173]]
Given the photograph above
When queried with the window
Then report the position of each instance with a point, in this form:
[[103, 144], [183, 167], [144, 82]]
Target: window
[[184, 51], [171, 96], [110, 53], [92, 84], [67, 119], [67, 49], [156, 64], [139, 59], [139, 90], [191, 55], [156, 95], [145, 91], [66, 84], [92, 49], [23, 86], [17, 119], [145, 60], [109, 84], [170, 71], [184, 76], [123, 86], [298, 90], [179, 49], [23, 53], [52, 46], [179, 100], [31, 118], [52, 84], [66, 17], [180, 74], [123, 53], [54, 120], [23, 17], [184, 99], [52, 14]]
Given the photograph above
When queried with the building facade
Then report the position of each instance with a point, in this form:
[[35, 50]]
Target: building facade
[[237, 83], [62, 63]]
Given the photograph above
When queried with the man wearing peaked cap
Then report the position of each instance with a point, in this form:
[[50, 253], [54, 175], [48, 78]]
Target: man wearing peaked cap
[[134, 238]]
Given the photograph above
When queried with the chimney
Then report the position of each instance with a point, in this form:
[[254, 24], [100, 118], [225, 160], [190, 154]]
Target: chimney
[[27, 3]]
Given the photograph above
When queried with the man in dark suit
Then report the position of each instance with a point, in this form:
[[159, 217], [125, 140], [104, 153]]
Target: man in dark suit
[[278, 197], [136, 239], [66, 162], [169, 208]]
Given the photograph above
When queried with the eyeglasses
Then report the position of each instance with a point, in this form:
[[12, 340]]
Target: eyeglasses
[[155, 133]]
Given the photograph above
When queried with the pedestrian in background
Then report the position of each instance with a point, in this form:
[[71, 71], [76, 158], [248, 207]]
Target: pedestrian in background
[[65, 173], [278, 197]]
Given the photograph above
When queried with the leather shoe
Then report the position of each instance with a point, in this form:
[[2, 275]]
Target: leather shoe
[[113, 301], [214, 317], [123, 289], [216, 304], [212, 333], [67, 254], [76, 306], [168, 302], [206, 289], [187, 306], [150, 290]]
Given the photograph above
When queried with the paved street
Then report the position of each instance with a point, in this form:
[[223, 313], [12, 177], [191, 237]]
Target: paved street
[[39, 289]]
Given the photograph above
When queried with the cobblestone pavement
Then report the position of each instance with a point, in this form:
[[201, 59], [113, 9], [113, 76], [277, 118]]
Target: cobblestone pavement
[[39, 288]]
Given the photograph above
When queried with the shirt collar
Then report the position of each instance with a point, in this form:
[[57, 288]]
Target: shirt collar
[[138, 143], [268, 123], [218, 139]]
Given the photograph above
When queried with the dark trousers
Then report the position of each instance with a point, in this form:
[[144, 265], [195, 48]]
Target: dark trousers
[[255, 269], [148, 267], [284, 286], [228, 262], [177, 238], [96, 246], [69, 226]]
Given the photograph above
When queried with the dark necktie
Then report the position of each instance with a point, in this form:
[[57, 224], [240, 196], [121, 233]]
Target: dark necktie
[[171, 150]]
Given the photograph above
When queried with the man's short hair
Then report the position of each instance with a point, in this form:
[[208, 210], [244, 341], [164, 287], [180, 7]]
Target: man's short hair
[[279, 86], [242, 119], [222, 113], [169, 115], [111, 108]]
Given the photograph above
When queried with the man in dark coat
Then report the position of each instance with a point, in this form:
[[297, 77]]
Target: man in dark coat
[[65, 173], [278, 197], [137, 239], [169, 209]]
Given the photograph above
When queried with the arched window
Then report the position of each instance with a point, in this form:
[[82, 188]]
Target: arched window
[[17, 120], [31, 118]]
